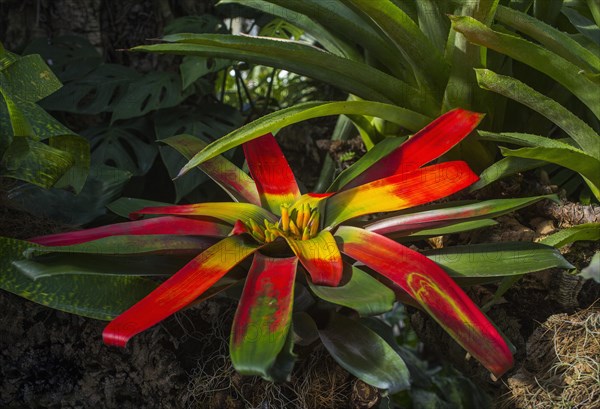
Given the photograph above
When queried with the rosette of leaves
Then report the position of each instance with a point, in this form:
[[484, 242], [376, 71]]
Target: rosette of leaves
[[311, 266], [487, 56]]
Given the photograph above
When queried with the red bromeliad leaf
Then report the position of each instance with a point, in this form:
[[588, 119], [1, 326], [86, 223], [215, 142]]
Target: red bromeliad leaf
[[263, 317], [434, 291], [232, 179], [180, 290], [400, 191], [226, 211], [426, 145], [158, 225], [274, 179], [320, 257]]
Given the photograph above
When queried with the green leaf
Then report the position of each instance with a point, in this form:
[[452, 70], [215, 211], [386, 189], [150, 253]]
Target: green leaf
[[128, 146], [103, 185], [35, 162], [94, 93], [455, 228], [124, 206], [582, 24], [497, 259], [69, 57], [330, 42], [350, 26], [426, 61], [547, 11], [511, 88], [153, 91], [433, 22], [570, 158], [361, 292], [301, 112], [503, 168], [556, 67], [554, 40], [100, 296], [353, 77], [587, 231], [79, 150], [29, 78], [365, 354], [114, 245], [192, 68]]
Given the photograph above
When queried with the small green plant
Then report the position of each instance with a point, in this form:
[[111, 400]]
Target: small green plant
[[295, 240]]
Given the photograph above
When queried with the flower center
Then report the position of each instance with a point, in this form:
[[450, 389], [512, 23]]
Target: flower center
[[301, 223]]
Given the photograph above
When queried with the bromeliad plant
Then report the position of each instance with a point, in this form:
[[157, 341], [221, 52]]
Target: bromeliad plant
[[288, 234]]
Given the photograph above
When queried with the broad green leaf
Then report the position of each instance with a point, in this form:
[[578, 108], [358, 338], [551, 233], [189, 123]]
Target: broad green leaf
[[192, 68], [29, 79], [426, 61], [365, 354], [99, 296], [79, 149], [554, 40], [42, 124], [152, 91], [301, 112], [94, 93], [72, 56], [583, 24], [587, 231], [503, 168], [361, 292], [580, 162], [497, 259], [330, 42], [538, 57], [353, 77], [103, 185], [20, 126], [511, 88], [128, 146], [124, 206], [35, 162]]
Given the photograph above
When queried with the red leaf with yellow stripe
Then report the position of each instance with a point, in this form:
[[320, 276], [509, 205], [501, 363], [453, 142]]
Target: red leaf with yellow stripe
[[431, 287]]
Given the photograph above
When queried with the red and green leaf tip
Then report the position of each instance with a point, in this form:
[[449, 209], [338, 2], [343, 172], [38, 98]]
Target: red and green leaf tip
[[289, 228]]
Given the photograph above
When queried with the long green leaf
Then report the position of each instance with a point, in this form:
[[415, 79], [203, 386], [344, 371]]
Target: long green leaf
[[511, 88], [583, 25], [348, 25], [365, 354], [351, 76], [503, 168], [99, 296], [554, 40], [362, 293], [587, 231], [330, 42], [580, 162], [556, 67], [301, 112], [426, 61], [497, 259]]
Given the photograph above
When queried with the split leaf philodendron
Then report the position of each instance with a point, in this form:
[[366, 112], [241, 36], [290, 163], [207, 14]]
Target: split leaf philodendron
[[292, 233]]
